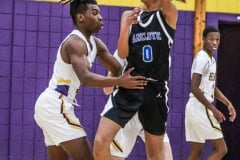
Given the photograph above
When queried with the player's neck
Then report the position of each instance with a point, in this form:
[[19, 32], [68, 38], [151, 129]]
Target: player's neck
[[152, 7]]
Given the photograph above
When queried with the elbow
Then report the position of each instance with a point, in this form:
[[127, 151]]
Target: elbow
[[84, 81], [116, 70], [193, 89], [122, 54]]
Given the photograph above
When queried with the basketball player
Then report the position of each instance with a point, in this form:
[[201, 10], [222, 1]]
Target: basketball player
[[146, 37], [64, 135], [202, 118], [126, 137]]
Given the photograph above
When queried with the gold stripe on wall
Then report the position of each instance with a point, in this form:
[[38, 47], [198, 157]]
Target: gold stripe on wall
[[222, 6], [135, 3]]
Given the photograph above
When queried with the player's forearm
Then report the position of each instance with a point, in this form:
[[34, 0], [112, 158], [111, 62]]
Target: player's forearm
[[114, 68], [220, 96], [94, 80], [201, 98], [123, 43]]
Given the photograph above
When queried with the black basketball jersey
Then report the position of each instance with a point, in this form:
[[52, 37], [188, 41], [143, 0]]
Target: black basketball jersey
[[149, 46]]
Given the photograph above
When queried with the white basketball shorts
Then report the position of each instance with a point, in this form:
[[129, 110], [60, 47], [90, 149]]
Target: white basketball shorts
[[200, 123], [55, 116]]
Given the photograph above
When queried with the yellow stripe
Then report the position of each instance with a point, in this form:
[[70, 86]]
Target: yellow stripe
[[215, 127], [117, 146], [114, 147], [222, 6], [73, 123], [68, 81]]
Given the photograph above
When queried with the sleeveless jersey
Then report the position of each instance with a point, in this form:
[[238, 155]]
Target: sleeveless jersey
[[206, 66], [64, 78], [149, 46]]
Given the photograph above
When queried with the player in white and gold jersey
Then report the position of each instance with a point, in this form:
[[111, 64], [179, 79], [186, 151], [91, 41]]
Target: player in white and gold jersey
[[202, 118], [54, 109]]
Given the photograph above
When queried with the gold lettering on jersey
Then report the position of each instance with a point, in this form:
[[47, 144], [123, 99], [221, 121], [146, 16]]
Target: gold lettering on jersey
[[146, 36], [61, 80], [212, 76]]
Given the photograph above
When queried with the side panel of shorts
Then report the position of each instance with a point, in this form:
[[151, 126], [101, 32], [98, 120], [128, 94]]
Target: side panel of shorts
[[57, 119], [125, 103], [200, 123], [153, 114], [126, 137]]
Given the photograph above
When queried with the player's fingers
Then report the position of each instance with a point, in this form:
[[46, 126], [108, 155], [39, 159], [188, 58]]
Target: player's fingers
[[139, 87], [232, 117], [129, 71], [141, 78], [223, 118]]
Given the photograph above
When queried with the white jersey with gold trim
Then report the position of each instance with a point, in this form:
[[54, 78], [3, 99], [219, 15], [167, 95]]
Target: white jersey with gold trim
[[206, 66], [64, 78]]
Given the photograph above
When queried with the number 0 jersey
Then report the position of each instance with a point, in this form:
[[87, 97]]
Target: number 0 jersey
[[149, 46]]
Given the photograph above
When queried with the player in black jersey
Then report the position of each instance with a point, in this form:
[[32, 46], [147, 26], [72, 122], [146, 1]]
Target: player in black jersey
[[146, 37]]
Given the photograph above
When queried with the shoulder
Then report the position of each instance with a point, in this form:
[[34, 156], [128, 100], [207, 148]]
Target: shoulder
[[98, 42], [170, 13], [201, 57], [74, 43]]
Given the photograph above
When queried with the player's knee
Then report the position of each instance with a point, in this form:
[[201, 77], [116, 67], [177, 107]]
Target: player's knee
[[222, 150], [100, 142], [196, 152]]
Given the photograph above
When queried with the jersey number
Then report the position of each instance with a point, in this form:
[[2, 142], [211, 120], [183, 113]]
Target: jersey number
[[147, 53]]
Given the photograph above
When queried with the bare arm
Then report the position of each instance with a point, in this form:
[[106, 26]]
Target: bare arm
[[196, 80], [170, 11], [108, 90], [76, 50], [220, 96], [107, 59], [128, 18]]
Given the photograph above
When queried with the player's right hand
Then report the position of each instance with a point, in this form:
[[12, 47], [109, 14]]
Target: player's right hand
[[131, 17], [218, 115], [132, 82]]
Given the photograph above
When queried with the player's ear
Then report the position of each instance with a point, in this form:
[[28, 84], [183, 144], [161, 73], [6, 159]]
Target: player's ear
[[80, 17]]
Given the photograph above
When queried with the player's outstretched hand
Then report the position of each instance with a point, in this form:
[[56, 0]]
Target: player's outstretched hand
[[132, 82], [232, 112]]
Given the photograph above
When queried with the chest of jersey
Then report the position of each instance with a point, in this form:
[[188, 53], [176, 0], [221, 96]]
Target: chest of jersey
[[149, 47]]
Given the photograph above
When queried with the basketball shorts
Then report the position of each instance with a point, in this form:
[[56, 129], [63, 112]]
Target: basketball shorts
[[54, 114], [200, 123], [126, 137], [150, 103]]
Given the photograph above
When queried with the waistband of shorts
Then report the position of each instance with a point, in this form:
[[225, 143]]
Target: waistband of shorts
[[155, 80], [57, 94]]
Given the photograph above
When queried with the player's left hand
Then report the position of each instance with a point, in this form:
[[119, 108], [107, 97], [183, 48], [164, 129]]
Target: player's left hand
[[232, 112]]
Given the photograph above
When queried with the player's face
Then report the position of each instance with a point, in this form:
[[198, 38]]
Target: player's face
[[212, 40], [93, 19]]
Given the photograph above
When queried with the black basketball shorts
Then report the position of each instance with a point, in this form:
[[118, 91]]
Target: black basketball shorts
[[150, 103]]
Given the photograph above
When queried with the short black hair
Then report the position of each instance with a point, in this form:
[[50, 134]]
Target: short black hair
[[209, 29], [78, 6]]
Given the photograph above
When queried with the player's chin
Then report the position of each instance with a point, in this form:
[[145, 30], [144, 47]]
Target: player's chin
[[98, 28]]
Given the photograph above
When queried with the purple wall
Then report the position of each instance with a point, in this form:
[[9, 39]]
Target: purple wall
[[30, 33]]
